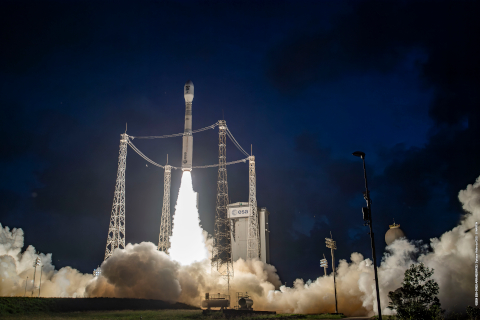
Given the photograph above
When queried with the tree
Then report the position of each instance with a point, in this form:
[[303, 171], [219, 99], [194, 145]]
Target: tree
[[473, 313], [417, 297]]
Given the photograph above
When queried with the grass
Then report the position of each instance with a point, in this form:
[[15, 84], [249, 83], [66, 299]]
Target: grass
[[123, 315], [448, 316], [9, 305], [154, 314], [21, 305], [115, 308], [300, 316]]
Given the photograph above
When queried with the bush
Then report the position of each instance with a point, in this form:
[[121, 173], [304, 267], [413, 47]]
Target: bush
[[473, 313], [417, 297]]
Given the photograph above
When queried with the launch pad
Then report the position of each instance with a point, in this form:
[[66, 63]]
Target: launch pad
[[254, 242], [244, 306], [233, 313]]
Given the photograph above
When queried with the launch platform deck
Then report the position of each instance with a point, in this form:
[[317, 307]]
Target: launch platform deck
[[231, 313]]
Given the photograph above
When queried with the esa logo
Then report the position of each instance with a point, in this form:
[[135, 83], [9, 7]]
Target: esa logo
[[239, 212]]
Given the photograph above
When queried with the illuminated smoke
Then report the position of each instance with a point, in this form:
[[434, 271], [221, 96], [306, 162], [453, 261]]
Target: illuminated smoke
[[138, 271], [141, 271], [16, 266], [187, 241]]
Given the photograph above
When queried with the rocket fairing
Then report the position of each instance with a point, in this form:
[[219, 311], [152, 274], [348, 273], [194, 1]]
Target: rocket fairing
[[187, 148]]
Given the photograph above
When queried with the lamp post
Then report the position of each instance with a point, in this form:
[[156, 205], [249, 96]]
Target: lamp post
[[35, 264], [333, 246], [324, 265], [26, 281], [40, 287], [97, 272], [367, 217]]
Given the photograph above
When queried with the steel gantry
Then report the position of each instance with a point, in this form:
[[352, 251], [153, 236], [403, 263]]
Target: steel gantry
[[166, 222], [253, 244], [222, 249], [116, 229]]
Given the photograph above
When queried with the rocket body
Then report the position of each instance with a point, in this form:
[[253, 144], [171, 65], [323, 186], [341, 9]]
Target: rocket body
[[187, 146]]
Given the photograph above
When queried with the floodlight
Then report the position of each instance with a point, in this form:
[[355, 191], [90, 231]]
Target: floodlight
[[359, 154]]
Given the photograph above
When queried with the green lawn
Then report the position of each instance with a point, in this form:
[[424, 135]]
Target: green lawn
[[156, 314], [124, 315]]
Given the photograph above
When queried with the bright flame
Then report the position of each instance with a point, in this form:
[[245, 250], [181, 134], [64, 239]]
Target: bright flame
[[187, 242]]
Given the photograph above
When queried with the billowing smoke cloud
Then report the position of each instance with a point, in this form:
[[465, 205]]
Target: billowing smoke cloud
[[16, 266], [141, 271]]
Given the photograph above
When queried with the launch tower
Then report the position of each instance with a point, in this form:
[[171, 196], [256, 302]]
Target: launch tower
[[222, 250], [116, 229], [253, 243], [166, 222]]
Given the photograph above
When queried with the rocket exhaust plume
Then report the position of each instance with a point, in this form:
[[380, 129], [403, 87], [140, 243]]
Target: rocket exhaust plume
[[187, 241]]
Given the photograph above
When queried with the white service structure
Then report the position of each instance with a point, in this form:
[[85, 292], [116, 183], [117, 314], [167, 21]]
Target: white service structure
[[238, 213]]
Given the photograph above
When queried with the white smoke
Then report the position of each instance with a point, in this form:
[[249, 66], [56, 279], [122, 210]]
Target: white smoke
[[16, 266], [138, 271], [141, 271], [187, 241]]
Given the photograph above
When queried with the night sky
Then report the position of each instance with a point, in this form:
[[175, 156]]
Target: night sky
[[305, 82]]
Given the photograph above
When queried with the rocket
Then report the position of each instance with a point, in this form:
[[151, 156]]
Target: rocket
[[187, 147]]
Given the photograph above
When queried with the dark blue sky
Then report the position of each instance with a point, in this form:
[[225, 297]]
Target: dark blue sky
[[306, 82]]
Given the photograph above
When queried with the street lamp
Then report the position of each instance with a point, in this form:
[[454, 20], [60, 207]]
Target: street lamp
[[26, 281], [332, 245], [35, 264], [40, 287], [97, 272], [367, 217], [324, 265]]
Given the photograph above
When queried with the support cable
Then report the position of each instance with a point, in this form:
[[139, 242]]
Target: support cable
[[144, 156], [140, 153], [174, 135], [216, 165], [239, 147]]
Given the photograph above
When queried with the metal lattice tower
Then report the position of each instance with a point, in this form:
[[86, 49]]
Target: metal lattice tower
[[253, 243], [222, 249], [116, 230], [166, 222]]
